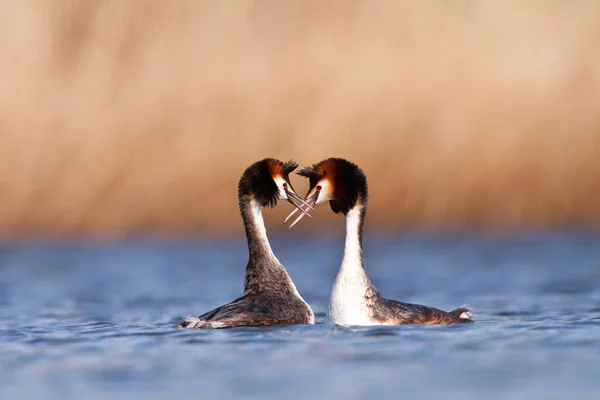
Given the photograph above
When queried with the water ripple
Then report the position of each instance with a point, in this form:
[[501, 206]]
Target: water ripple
[[96, 321]]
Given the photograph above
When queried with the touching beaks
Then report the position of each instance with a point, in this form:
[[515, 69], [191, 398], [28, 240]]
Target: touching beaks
[[300, 199], [291, 195], [307, 201]]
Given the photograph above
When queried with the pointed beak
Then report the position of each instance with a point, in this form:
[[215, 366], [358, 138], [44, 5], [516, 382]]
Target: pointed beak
[[300, 199], [310, 202], [293, 195]]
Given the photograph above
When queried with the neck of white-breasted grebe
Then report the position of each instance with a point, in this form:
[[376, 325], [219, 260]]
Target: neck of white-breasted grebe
[[353, 252], [347, 304]]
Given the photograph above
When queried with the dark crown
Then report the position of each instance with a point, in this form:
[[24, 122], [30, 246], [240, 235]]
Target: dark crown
[[347, 179], [258, 180]]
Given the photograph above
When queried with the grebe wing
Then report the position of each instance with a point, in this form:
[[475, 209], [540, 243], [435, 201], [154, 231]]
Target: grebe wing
[[406, 313]]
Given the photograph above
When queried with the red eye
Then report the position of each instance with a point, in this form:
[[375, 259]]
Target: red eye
[[285, 185], [319, 187]]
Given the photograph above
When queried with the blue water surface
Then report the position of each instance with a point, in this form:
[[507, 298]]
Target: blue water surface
[[94, 320]]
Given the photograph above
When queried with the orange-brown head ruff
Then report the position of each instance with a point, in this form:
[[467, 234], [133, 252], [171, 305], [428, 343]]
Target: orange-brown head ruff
[[267, 181], [338, 181]]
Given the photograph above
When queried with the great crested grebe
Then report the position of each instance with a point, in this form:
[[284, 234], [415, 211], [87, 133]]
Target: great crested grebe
[[270, 297], [354, 300]]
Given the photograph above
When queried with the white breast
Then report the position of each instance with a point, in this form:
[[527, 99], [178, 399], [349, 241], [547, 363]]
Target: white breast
[[347, 303]]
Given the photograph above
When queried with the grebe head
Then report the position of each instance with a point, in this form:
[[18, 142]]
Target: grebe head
[[338, 181], [268, 181]]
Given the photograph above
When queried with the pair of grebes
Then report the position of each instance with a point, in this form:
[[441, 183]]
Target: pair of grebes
[[270, 297]]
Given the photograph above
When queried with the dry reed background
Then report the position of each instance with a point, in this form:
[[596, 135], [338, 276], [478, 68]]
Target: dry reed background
[[139, 116]]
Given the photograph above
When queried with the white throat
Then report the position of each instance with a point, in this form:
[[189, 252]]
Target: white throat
[[352, 260], [260, 231], [347, 304]]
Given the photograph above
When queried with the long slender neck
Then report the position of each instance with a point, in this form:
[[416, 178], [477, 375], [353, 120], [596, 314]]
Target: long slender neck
[[264, 272], [353, 252], [256, 233]]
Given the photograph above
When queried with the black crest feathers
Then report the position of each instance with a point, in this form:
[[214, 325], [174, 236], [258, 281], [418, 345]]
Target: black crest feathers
[[258, 180], [348, 180]]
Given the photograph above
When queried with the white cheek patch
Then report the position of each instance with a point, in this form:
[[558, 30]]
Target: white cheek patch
[[279, 181], [326, 192]]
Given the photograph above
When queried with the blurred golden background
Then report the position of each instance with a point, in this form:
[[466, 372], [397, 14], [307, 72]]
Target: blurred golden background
[[120, 117]]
